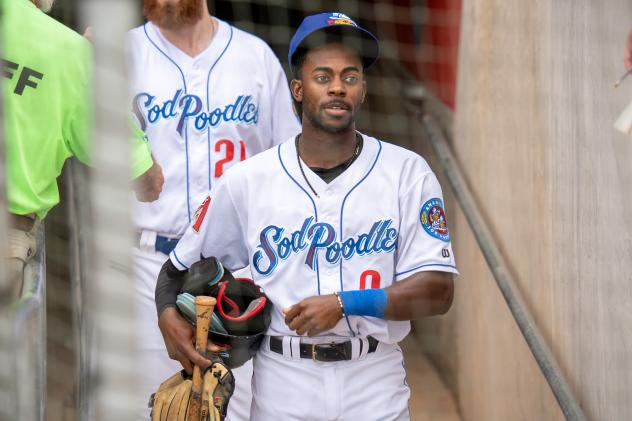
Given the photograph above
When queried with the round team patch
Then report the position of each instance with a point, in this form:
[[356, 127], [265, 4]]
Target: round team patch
[[433, 219]]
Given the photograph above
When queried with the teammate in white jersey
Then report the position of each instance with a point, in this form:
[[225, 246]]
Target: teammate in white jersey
[[346, 234], [208, 96]]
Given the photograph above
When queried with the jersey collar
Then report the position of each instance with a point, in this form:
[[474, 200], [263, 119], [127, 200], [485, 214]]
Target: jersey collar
[[341, 184], [205, 58]]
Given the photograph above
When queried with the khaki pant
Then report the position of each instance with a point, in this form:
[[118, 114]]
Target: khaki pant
[[22, 247]]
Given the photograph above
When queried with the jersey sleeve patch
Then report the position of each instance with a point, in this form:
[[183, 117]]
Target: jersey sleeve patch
[[433, 220], [200, 213]]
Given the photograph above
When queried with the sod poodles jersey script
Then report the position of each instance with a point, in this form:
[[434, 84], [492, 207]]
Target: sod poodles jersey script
[[383, 217], [203, 114]]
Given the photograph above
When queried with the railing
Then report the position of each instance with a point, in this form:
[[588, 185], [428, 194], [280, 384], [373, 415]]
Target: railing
[[427, 108], [29, 338], [77, 193]]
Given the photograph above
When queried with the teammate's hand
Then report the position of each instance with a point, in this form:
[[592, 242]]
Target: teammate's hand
[[179, 337], [313, 315], [88, 33], [627, 58], [149, 185]]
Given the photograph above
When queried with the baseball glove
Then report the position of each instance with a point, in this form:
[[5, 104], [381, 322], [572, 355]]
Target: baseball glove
[[171, 400]]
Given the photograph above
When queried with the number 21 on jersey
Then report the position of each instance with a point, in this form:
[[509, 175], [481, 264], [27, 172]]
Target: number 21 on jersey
[[226, 148]]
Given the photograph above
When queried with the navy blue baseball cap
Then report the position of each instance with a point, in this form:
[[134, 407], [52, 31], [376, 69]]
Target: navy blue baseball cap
[[327, 27]]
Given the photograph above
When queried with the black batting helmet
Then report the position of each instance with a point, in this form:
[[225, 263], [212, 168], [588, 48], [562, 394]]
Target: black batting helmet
[[244, 312]]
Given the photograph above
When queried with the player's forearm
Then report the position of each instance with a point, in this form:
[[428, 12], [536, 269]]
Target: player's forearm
[[168, 286], [422, 294]]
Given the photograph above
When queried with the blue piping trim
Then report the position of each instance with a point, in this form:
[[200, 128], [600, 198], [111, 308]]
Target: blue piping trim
[[179, 261], [296, 182], [342, 207], [186, 137], [186, 152], [208, 106], [168, 58], [317, 275], [208, 146], [398, 349], [310, 198], [422, 266]]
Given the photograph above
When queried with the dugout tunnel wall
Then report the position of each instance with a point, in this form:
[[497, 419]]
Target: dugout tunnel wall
[[533, 133]]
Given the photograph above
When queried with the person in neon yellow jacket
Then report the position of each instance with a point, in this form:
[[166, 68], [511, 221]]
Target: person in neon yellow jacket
[[47, 71]]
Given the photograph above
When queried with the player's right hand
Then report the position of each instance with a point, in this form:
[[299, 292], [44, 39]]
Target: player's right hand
[[179, 337]]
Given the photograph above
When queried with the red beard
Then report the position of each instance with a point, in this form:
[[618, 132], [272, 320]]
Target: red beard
[[169, 15]]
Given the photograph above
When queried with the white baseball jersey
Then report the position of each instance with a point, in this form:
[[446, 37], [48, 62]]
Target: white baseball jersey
[[378, 222], [203, 114]]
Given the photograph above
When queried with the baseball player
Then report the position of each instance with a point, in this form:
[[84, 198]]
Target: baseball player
[[346, 234], [208, 96]]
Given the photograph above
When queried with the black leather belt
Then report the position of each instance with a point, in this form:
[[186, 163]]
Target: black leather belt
[[325, 352]]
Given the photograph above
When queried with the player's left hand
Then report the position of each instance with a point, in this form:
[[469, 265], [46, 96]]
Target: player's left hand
[[313, 315]]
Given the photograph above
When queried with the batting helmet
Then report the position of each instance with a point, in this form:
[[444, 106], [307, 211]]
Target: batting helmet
[[244, 312], [239, 321]]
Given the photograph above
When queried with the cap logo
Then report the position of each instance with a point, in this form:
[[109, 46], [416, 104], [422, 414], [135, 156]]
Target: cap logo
[[340, 19]]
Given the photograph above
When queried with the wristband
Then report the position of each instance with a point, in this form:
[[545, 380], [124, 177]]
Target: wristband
[[365, 302], [342, 307]]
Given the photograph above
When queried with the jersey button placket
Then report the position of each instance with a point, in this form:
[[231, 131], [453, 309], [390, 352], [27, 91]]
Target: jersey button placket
[[328, 214]]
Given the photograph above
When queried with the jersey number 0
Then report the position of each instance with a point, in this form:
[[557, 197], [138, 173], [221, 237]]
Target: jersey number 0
[[373, 275]]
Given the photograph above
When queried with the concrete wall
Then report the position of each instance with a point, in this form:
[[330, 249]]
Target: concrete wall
[[534, 114]]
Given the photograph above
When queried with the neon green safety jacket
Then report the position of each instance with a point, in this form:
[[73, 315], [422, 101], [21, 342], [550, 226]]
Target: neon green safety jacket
[[47, 71]]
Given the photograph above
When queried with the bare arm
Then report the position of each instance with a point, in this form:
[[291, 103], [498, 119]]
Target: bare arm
[[422, 294], [148, 186]]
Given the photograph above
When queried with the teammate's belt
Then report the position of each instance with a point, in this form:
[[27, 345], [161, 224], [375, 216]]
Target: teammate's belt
[[325, 352]]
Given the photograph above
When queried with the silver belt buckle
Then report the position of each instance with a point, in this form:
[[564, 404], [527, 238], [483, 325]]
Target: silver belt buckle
[[314, 347]]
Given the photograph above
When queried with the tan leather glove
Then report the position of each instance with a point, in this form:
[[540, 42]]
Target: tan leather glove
[[171, 400]]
